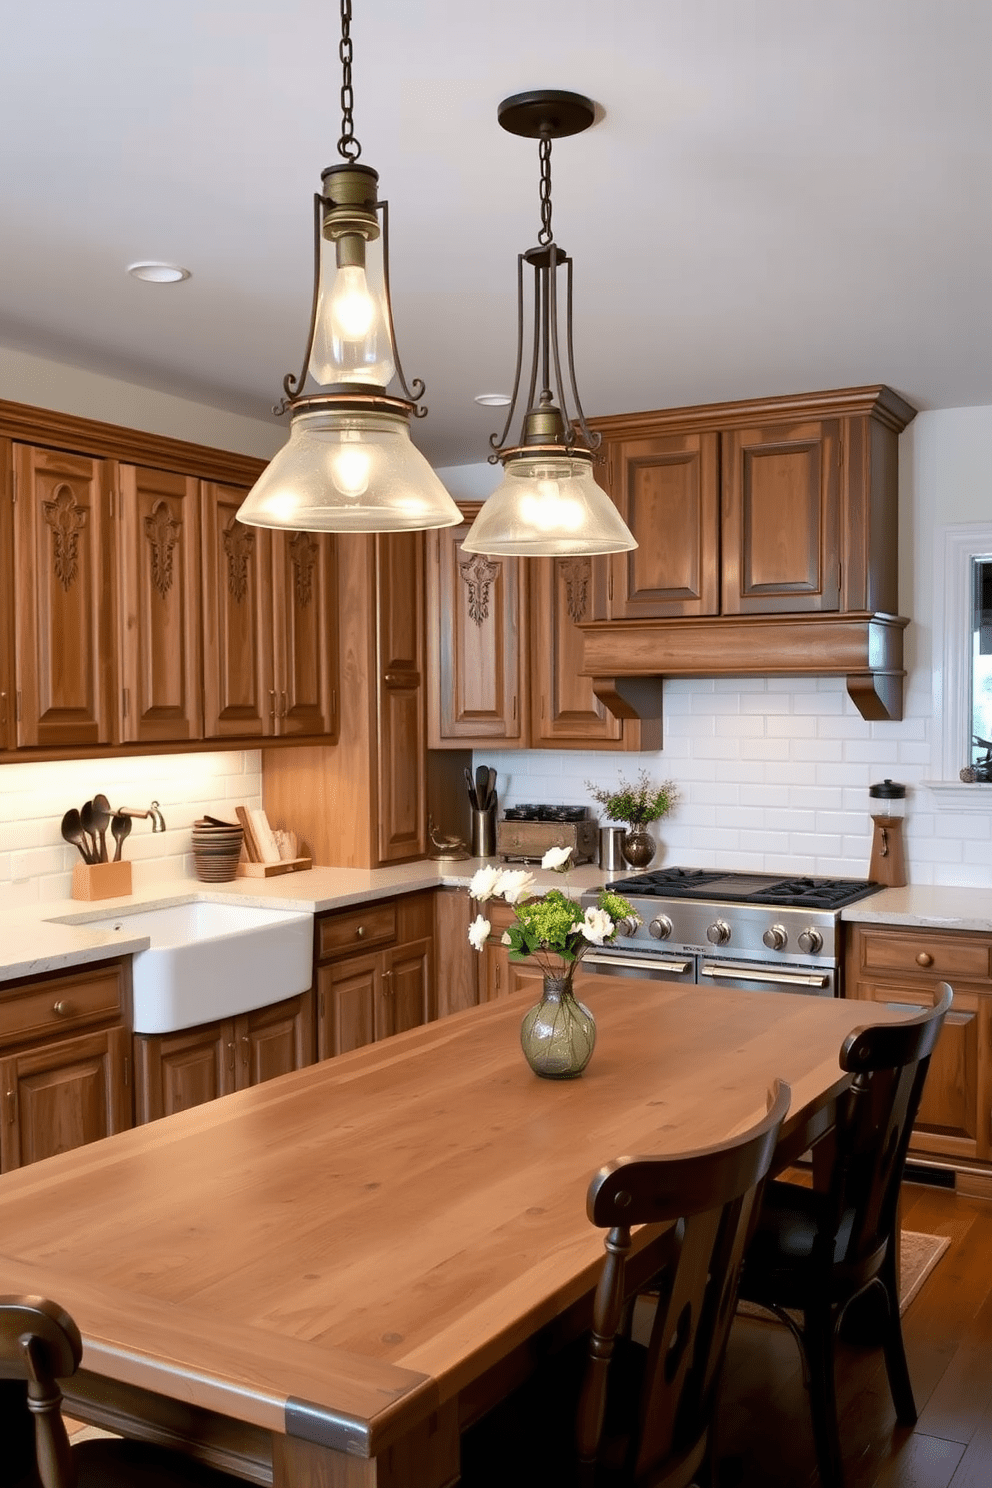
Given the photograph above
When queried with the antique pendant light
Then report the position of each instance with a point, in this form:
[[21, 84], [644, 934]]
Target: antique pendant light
[[349, 465], [548, 502]]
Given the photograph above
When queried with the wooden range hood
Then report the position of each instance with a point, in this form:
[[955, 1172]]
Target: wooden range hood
[[628, 660]]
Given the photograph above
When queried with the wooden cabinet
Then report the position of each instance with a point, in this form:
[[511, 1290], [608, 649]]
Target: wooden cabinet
[[375, 972], [64, 1062], [175, 1071], [159, 645], [62, 605], [901, 966], [504, 650], [768, 534], [364, 803], [135, 609], [498, 975]]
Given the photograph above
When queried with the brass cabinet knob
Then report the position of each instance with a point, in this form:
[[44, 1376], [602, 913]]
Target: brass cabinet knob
[[61, 1008], [360, 931], [924, 959]]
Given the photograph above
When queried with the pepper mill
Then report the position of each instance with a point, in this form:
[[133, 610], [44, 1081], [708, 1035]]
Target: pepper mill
[[888, 862]]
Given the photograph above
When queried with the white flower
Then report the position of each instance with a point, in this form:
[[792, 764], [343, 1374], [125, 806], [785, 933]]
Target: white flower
[[596, 925], [556, 858], [485, 883], [515, 885], [478, 931], [505, 938]]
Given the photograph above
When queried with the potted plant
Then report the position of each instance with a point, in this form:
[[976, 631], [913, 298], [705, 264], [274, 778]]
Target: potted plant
[[637, 805], [559, 1034]]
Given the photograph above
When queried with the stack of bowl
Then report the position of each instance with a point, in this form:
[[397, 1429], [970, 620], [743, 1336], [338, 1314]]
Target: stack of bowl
[[216, 849]]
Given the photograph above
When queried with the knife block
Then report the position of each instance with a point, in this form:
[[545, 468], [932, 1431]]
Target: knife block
[[101, 880]]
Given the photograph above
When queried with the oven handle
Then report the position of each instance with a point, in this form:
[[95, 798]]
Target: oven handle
[[639, 963], [783, 978]]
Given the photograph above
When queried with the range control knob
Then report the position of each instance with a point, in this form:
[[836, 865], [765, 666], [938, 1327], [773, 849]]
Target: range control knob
[[660, 927], [718, 933], [775, 937], [628, 925], [810, 942]]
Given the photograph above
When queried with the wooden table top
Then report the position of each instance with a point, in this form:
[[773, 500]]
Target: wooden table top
[[336, 1252]]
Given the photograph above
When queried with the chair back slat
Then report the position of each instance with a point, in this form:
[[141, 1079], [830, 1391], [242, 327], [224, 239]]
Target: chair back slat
[[709, 1198], [874, 1126]]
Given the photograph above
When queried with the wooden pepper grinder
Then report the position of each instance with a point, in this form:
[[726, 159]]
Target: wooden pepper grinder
[[888, 861]]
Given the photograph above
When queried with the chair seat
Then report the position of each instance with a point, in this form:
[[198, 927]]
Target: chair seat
[[113, 1463], [780, 1268]]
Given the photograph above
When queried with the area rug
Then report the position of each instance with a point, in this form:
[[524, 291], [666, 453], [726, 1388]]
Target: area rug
[[918, 1255]]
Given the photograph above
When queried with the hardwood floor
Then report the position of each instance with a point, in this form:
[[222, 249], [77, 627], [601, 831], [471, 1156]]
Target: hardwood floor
[[765, 1436]]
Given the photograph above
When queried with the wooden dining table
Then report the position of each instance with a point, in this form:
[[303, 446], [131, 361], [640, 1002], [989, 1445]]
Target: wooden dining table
[[316, 1282]]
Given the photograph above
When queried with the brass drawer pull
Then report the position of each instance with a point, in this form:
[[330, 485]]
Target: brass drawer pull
[[924, 959], [61, 1009]]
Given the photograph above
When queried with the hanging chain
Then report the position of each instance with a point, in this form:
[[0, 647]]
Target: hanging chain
[[545, 236], [348, 145]]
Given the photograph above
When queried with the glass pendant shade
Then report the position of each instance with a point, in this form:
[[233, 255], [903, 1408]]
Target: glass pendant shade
[[351, 340], [349, 471], [548, 505]]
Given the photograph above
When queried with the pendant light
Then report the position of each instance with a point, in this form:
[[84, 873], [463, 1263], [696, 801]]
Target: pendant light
[[548, 502], [349, 465]]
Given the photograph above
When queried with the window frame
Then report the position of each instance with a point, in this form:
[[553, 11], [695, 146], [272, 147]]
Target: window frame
[[952, 645]]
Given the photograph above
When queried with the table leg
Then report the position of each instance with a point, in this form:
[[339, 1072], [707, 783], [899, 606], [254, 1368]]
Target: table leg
[[427, 1457]]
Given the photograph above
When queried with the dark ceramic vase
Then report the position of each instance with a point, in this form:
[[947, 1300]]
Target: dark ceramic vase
[[559, 1034], [637, 846]]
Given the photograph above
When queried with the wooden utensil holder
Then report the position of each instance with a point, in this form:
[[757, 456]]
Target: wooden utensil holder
[[101, 880]]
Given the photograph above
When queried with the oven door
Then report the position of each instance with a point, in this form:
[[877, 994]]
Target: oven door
[[621, 963], [755, 976]]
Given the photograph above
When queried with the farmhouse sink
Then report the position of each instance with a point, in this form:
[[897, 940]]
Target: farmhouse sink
[[209, 961]]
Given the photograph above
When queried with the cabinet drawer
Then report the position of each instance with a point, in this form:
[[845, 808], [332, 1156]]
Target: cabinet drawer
[[924, 953], [368, 925], [60, 1005]]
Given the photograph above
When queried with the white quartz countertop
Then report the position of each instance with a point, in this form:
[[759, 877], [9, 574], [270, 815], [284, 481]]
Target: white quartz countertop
[[918, 904], [54, 936]]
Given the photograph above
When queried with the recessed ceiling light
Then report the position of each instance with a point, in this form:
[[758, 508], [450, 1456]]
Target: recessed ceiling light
[[158, 273], [492, 400]]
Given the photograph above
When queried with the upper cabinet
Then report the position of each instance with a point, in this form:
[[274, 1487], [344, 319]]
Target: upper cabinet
[[135, 609], [768, 534], [504, 650]]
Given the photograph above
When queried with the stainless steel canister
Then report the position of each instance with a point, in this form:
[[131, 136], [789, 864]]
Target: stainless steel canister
[[610, 856]]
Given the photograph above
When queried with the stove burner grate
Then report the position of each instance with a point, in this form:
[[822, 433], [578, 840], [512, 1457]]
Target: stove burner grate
[[747, 888]]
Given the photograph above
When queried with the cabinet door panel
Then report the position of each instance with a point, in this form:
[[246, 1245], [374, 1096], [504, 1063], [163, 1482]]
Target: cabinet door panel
[[275, 1040], [176, 1071], [304, 613], [781, 499], [564, 709], [63, 1095], [63, 600], [348, 997], [159, 624], [402, 786], [409, 985], [667, 490], [239, 698], [475, 656]]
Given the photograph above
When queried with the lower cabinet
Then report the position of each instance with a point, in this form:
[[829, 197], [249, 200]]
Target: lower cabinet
[[901, 967], [175, 1071], [375, 972], [498, 975], [65, 1062]]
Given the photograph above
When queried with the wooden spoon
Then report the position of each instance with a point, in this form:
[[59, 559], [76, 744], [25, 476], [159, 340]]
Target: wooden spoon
[[120, 826], [72, 831]]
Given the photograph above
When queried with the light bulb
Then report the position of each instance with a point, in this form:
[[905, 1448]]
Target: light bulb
[[351, 341], [350, 470], [352, 306], [547, 508]]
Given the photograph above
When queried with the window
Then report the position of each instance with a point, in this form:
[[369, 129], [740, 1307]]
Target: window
[[962, 662]]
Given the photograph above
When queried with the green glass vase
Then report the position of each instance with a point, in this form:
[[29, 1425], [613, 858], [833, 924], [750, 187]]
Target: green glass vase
[[559, 1034]]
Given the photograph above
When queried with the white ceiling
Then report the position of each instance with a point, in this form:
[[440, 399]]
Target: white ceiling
[[782, 195]]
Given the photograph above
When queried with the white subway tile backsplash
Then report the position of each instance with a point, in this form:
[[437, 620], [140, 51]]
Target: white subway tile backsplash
[[36, 864]]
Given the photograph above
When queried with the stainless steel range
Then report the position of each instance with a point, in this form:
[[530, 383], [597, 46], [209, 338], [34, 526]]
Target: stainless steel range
[[755, 931]]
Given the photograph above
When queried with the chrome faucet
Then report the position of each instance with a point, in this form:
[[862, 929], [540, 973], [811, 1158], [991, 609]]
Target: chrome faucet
[[153, 812]]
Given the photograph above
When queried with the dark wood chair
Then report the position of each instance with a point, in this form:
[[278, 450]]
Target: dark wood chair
[[613, 1410], [39, 1345], [817, 1249]]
